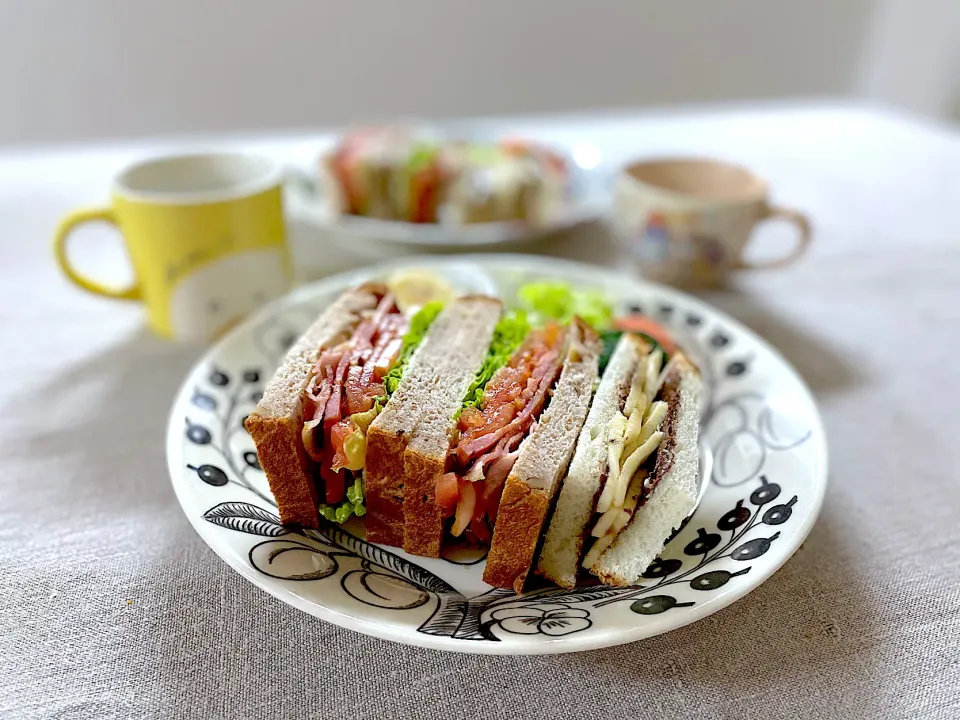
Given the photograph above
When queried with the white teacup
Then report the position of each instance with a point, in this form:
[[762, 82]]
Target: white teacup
[[687, 221]]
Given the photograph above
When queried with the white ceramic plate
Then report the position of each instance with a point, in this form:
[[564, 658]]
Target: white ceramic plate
[[763, 495]]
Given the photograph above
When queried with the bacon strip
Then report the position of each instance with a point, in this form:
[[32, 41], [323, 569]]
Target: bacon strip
[[490, 438], [341, 387], [472, 448]]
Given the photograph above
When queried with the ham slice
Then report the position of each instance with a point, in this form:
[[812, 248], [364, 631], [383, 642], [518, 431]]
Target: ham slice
[[490, 438], [342, 385], [483, 443], [495, 480]]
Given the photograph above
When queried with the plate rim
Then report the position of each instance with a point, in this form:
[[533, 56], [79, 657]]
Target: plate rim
[[560, 645]]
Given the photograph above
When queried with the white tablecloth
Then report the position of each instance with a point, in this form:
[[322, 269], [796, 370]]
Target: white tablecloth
[[111, 606]]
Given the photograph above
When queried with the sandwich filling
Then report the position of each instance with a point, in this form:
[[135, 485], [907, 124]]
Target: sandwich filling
[[634, 435], [347, 388], [392, 174], [498, 413]]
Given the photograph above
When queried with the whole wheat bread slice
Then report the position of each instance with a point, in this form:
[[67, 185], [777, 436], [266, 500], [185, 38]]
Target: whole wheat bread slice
[[569, 526], [530, 489], [675, 473], [277, 422], [420, 413]]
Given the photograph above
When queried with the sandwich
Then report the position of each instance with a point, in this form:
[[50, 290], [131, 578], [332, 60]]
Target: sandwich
[[533, 481], [457, 482], [386, 173], [450, 421], [310, 425], [391, 173], [633, 477], [421, 414], [453, 469]]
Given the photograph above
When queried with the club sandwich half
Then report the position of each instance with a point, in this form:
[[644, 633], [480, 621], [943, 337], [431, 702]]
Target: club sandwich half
[[633, 477]]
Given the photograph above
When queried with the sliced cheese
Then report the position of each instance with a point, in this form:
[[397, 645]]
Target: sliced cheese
[[654, 362], [590, 559], [661, 378], [615, 443], [634, 427], [634, 462], [658, 411], [605, 522], [636, 397], [634, 435]]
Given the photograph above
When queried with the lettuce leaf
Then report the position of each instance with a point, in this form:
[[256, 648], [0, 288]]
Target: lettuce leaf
[[609, 338], [507, 336], [422, 155], [353, 504], [559, 301], [419, 324]]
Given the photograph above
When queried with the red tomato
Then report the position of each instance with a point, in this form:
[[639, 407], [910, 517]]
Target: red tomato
[[448, 493], [335, 488], [643, 324]]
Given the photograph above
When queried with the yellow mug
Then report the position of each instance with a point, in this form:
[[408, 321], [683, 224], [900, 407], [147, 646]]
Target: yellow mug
[[205, 235]]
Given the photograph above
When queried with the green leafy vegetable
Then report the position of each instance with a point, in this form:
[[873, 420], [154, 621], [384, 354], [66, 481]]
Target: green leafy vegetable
[[419, 324], [353, 504], [559, 301], [609, 338], [507, 336], [421, 156], [484, 154]]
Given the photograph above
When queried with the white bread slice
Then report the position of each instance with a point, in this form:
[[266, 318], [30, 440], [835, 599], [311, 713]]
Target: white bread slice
[[277, 421], [530, 489], [421, 410], [569, 526], [675, 473]]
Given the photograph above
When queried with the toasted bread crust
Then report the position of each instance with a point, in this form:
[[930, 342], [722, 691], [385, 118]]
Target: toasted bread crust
[[423, 531], [277, 422], [383, 485], [524, 509], [288, 468]]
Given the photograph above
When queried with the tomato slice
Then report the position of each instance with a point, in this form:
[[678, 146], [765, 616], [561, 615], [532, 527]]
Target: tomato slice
[[334, 483], [448, 493], [643, 325]]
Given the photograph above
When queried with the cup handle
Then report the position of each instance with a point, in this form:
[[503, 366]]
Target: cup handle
[[803, 239], [63, 232]]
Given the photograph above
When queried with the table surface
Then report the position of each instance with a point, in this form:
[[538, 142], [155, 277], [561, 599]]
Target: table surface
[[111, 606]]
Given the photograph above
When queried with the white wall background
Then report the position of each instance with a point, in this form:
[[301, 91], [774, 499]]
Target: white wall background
[[86, 69]]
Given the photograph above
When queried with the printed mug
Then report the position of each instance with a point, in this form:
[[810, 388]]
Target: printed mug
[[205, 235], [686, 222]]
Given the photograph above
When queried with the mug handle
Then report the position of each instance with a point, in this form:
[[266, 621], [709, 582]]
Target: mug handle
[[803, 238], [64, 229]]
